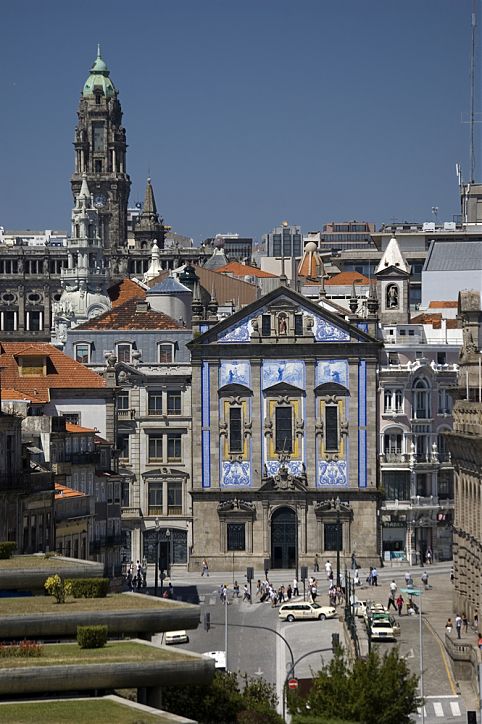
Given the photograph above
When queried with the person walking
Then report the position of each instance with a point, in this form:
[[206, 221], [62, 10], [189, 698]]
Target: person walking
[[458, 624], [429, 555], [448, 626], [424, 578], [465, 623], [295, 587], [353, 562], [374, 577], [316, 564], [236, 589], [400, 603], [356, 578], [246, 594], [328, 569], [391, 601], [205, 568]]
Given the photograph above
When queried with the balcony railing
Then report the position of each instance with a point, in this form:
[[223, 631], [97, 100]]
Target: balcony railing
[[174, 510], [395, 457], [131, 513], [128, 414]]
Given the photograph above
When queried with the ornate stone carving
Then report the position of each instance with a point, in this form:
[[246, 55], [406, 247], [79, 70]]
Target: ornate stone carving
[[236, 504], [223, 429], [248, 428], [299, 427], [344, 427], [284, 479], [268, 427]]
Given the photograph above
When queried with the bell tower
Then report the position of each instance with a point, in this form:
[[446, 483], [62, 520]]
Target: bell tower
[[100, 153]]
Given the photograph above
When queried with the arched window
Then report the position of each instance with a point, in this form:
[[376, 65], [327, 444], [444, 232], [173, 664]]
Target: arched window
[[393, 444], [421, 400], [442, 447]]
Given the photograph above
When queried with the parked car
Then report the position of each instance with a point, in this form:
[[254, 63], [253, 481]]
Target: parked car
[[303, 610], [359, 608], [381, 629], [176, 637]]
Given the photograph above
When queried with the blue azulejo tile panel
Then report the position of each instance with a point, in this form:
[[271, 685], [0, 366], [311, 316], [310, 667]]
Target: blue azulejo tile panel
[[332, 370], [276, 371], [363, 326], [332, 473], [239, 333], [362, 423], [205, 423], [295, 467], [326, 331], [232, 372], [236, 474]]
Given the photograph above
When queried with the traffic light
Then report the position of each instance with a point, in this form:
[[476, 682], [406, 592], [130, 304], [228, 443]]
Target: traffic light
[[335, 642], [207, 621], [304, 573], [249, 573]]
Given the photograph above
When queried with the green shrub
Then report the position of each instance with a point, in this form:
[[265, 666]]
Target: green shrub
[[55, 586], [91, 637], [7, 547], [89, 587]]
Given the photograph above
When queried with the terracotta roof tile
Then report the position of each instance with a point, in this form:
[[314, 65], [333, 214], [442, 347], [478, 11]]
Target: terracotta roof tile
[[72, 427], [244, 270], [124, 290], [62, 491], [9, 394], [443, 305], [347, 278], [126, 316], [435, 319], [62, 372]]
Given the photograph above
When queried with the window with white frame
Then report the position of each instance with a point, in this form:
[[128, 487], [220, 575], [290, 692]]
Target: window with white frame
[[444, 401], [165, 351], [154, 403], [82, 352], [123, 400], [393, 400], [124, 350], [155, 448], [393, 441], [421, 400], [174, 447], [174, 402]]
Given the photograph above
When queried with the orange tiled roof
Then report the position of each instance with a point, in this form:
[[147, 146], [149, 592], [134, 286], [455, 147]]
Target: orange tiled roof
[[435, 319], [126, 316], [62, 491], [9, 394], [123, 291], [243, 270], [347, 278], [72, 427], [62, 372], [443, 305]]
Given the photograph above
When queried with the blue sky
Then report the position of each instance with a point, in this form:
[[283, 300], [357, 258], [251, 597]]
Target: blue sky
[[244, 113]]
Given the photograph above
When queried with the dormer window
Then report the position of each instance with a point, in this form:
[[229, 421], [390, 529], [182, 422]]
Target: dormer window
[[166, 353], [82, 353], [124, 350], [32, 366]]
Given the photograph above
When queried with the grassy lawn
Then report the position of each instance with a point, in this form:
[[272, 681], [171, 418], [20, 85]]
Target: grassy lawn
[[33, 562], [86, 712], [63, 654], [47, 604]]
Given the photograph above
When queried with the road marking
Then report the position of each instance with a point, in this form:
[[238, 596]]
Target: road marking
[[444, 657], [420, 711], [438, 708], [454, 706], [409, 654], [259, 672]]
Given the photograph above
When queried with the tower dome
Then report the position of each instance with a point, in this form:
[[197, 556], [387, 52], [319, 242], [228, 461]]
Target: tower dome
[[98, 80]]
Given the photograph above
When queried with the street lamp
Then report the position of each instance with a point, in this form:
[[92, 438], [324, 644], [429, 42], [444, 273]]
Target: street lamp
[[158, 530], [169, 557], [337, 504]]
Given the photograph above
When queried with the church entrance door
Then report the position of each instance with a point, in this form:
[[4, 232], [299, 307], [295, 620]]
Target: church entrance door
[[283, 539]]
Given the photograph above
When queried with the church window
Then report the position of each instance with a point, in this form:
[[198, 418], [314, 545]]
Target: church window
[[236, 536], [331, 428], [82, 353], [266, 325], [333, 537], [298, 324], [284, 430], [235, 432], [9, 321], [34, 321], [166, 353], [97, 99], [124, 353]]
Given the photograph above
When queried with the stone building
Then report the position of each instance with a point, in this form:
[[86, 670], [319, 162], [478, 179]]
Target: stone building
[[286, 461], [465, 445]]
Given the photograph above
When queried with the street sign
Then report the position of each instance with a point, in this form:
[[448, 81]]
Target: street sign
[[412, 591], [292, 683]]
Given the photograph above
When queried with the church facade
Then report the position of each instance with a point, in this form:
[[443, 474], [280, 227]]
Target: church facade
[[286, 465]]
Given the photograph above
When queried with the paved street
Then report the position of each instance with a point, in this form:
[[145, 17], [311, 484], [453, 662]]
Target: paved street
[[258, 651]]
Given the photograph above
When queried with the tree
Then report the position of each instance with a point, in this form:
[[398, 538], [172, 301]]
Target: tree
[[375, 690], [222, 701]]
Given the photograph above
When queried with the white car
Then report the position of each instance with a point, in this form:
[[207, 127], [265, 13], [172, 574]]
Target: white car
[[381, 630], [219, 659], [176, 637], [304, 610]]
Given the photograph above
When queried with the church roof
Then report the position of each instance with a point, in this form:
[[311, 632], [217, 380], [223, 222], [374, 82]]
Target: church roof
[[124, 290], [60, 371], [169, 285], [128, 316], [99, 78], [149, 200], [217, 260], [392, 257]]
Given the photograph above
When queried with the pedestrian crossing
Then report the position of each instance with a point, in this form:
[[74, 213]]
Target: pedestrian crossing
[[436, 708], [212, 600]]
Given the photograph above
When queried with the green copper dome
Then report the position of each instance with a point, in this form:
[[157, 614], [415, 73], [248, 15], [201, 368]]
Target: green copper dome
[[99, 79]]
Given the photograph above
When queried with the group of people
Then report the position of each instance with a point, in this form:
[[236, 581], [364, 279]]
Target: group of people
[[136, 578], [462, 620]]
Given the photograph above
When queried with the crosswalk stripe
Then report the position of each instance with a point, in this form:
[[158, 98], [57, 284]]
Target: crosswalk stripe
[[438, 708], [420, 711], [454, 705]]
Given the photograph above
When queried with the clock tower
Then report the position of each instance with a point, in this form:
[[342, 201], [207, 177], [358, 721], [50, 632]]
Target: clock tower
[[100, 157]]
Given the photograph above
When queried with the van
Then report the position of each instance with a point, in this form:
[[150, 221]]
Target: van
[[303, 610]]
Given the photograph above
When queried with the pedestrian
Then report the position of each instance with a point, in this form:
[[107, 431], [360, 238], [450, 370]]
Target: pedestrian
[[452, 575], [369, 577], [393, 588], [205, 568], [289, 592], [353, 562], [465, 623], [424, 578], [356, 578], [295, 587], [391, 601], [448, 626], [236, 589], [316, 564], [476, 620], [480, 641], [170, 591], [429, 556], [314, 592], [458, 624], [328, 569], [258, 588], [374, 577], [246, 594], [408, 579], [400, 603]]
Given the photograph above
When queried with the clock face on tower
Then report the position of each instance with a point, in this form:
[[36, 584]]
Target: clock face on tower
[[99, 201]]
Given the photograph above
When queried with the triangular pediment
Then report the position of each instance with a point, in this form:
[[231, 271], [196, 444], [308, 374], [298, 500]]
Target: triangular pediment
[[393, 272], [243, 327], [235, 390], [283, 388]]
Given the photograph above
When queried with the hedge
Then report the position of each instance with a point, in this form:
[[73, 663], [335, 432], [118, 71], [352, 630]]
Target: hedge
[[89, 587], [7, 547], [92, 637]]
